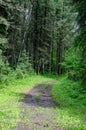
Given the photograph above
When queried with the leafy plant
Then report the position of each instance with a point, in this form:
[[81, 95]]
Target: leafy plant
[[72, 63]]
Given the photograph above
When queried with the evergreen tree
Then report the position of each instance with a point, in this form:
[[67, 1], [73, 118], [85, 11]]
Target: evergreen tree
[[80, 40], [41, 35], [65, 23], [45, 30]]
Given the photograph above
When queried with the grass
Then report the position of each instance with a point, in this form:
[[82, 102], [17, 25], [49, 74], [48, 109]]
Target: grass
[[71, 104], [38, 98], [10, 99]]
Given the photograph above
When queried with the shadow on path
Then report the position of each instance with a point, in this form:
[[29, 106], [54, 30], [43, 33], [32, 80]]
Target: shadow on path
[[38, 110], [39, 96]]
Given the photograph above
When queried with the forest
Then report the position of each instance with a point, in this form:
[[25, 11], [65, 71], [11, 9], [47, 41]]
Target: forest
[[42, 64]]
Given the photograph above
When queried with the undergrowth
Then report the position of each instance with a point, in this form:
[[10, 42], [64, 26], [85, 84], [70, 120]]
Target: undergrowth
[[71, 103]]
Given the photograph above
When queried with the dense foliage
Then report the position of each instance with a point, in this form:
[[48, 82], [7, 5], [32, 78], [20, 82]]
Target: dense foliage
[[51, 34], [75, 58]]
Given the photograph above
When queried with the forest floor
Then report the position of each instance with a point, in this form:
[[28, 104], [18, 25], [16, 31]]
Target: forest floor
[[38, 109], [27, 104], [12, 97]]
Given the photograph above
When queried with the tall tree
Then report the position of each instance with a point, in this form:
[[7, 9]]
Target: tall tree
[[81, 37], [42, 31], [64, 31]]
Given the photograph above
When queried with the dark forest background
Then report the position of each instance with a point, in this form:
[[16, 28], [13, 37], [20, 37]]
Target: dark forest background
[[46, 36]]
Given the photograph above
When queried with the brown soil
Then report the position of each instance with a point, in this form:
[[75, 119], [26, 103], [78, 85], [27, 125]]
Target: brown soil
[[38, 110]]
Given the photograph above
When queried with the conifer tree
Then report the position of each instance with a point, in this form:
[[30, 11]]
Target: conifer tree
[[65, 24]]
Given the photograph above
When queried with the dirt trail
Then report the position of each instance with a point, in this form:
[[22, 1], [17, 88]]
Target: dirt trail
[[38, 110]]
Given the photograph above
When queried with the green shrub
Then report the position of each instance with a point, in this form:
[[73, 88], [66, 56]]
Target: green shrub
[[72, 63], [24, 67], [4, 69], [68, 93]]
